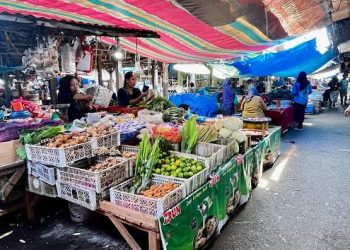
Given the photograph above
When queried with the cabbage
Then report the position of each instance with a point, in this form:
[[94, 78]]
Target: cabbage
[[225, 133], [238, 136], [232, 123]]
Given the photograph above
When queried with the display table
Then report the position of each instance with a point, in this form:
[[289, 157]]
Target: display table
[[193, 222], [281, 117], [202, 215]]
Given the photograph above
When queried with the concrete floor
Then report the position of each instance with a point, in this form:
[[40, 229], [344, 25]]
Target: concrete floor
[[302, 202]]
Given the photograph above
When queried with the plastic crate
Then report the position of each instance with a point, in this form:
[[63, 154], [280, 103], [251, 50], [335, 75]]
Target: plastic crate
[[133, 149], [59, 157], [33, 169], [85, 198], [211, 155], [120, 195], [191, 184], [45, 173], [108, 141], [35, 185], [97, 181]]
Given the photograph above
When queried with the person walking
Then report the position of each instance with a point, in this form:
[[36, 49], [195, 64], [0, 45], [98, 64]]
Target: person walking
[[344, 89], [334, 91], [301, 91]]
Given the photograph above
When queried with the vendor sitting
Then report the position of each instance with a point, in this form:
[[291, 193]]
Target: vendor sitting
[[253, 105], [80, 103], [129, 95]]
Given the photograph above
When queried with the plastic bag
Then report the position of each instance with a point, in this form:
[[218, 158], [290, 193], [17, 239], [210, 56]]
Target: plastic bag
[[149, 116], [169, 132]]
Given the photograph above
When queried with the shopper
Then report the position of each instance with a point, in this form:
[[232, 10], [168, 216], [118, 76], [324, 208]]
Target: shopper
[[80, 103], [334, 91], [129, 95], [253, 106], [344, 89], [301, 91], [228, 97]]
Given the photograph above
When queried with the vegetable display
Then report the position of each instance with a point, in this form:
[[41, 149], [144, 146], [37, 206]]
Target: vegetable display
[[229, 130], [146, 159], [207, 133], [159, 190], [129, 126], [67, 140], [189, 135], [172, 165], [113, 151], [108, 163], [35, 136], [169, 132], [158, 104], [175, 115], [99, 130]]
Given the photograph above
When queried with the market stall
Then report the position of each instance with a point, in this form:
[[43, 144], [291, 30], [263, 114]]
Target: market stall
[[281, 116], [193, 175]]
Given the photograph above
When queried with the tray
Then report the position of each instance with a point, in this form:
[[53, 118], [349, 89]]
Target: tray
[[35, 185]]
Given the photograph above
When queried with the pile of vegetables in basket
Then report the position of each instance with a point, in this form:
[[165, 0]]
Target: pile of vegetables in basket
[[229, 130], [174, 114], [34, 136], [207, 133], [159, 190], [159, 104]]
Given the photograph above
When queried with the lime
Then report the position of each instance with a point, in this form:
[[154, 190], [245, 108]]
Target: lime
[[168, 168], [166, 173], [185, 175], [188, 164], [194, 162], [167, 161], [193, 168], [180, 175], [158, 170], [174, 174], [172, 159], [173, 167], [182, 165], [199, 168], [178, 170], [190, 174]]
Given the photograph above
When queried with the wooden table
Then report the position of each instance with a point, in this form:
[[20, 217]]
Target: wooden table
[[147, 223], [10, 176]]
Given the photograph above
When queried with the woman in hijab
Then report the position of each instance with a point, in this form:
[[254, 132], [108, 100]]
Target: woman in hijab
[[301, 91], [253, 106], [228, 97]]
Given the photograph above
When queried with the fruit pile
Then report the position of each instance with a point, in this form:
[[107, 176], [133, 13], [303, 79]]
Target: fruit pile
[[172, 165]]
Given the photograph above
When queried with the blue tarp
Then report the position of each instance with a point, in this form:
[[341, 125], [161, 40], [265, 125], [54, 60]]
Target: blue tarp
[[287, 63], [202, 105]]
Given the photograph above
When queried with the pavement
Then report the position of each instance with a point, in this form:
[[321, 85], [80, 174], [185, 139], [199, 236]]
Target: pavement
[[302, 202]]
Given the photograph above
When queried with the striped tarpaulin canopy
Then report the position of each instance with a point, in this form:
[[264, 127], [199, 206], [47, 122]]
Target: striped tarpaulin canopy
[[191, 31]]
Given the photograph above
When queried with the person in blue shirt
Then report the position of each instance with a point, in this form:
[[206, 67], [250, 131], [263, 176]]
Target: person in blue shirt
[[228, 97], [301, 91]]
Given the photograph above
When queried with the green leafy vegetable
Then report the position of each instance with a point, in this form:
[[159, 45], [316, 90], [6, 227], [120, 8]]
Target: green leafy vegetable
[[158, 104], [37, 135], [189, 135], [146, 159]]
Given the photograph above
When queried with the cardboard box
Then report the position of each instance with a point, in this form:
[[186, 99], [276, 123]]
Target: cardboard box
[[8, 152]]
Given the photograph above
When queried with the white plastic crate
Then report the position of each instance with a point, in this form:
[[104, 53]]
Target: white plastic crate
[[35, 185], [33, 169], [132, 149], [211, 155], [120, 195], [59, 157], [86, 198], [100, 181], [45, 173], [107, 141], [191, 184]]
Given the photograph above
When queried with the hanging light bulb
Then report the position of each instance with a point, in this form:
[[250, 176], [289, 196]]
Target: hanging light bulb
[[116, 52]]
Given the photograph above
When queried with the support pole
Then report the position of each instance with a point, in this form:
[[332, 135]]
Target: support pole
[[165, 79]]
